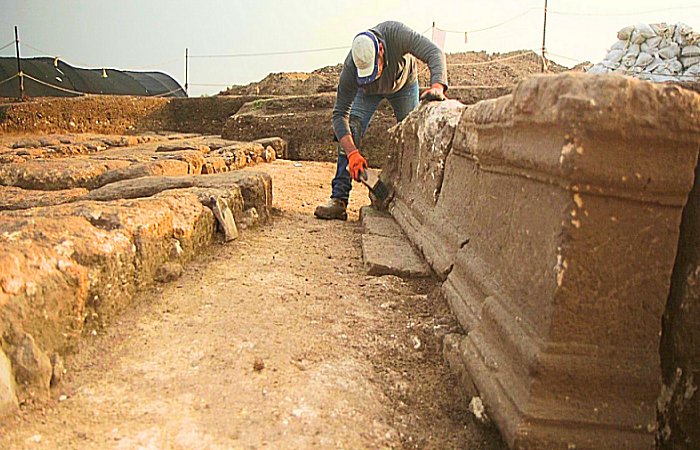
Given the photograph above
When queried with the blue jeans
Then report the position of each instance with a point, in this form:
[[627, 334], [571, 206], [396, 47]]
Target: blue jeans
[[363, 108]]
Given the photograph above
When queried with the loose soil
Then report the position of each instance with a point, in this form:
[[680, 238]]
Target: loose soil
[[278, 340]]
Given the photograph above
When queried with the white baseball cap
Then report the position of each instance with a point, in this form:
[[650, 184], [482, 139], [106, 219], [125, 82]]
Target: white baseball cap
[[365, 52]]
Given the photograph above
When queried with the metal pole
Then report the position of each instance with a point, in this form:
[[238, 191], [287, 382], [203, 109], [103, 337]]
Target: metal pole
[[544, 35], [19, 66], [187, 51]]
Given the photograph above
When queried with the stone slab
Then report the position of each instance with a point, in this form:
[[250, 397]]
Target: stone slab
[[392, 256]]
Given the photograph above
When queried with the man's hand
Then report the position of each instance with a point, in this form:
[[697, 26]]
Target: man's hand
[[357, 164], [435, 93]]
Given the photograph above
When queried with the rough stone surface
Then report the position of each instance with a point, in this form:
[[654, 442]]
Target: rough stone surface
[[58, 174], [555, 221], [679, 402], [8, 395], [31, 366], [280, 145], [18, 198]]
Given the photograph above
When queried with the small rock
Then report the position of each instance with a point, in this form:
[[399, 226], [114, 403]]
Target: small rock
[[250, 218], [32, 366], [58, 370], [169, 271], [176, 250], [224, 218], [476, 406], [258, 364], [269, 154]]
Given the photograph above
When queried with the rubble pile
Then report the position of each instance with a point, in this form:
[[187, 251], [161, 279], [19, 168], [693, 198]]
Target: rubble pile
[[656, 52]]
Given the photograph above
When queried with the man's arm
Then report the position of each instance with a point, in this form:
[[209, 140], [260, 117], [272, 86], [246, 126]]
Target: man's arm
[[347, 89]]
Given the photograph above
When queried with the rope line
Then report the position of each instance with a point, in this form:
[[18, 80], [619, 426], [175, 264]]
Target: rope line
[[486, 63], [70, 91], [562, 57], [9, 79], [5, 46], [492, 26], [564, 13], [290, 52], [164, 94]]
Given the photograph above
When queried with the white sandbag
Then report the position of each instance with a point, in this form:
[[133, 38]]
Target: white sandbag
[[654, 64], [634, 50], [663, 29], [670, 51], [619, 45], [615, 55], [674, 66], [645, 30], [598, 68], [690, 61], [690, 50], [654, 42], [682, 30], [693, 38], [658, 78], [693, 70], [610, 64], [643, 60], [629, 60], [637, 37], [625, 33]]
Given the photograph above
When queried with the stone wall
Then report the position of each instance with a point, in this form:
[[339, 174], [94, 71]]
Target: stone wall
[[119, 114], [305, 123], [553, 217], [88, 221]]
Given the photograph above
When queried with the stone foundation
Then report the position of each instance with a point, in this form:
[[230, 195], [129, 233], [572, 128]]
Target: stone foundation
[[553, 215]]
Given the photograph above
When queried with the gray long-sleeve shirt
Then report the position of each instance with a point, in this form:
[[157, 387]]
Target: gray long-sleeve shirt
[[401, 44]]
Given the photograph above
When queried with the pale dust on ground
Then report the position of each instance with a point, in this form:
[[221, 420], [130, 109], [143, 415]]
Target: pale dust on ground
[[277, 340]]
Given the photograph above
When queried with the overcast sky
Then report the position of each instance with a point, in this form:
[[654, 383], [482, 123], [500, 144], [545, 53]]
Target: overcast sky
[[153, 34]]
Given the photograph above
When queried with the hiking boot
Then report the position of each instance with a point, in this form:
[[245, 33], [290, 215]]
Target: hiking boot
[[334, 209]]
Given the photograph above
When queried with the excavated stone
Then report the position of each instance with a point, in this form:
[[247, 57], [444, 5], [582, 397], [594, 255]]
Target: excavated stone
[[120, 141], [556, 224], [180, 146], [269, 154], [385, 255], [277, 143], [385, 249], [59, 263], [8, 391], [164, 167], [57, 174], [214, 164], [194, 160], [255, 187], [18, 198], [27, 143]]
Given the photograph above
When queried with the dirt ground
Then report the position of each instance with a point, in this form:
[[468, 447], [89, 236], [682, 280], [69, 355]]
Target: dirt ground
[[277, 340]]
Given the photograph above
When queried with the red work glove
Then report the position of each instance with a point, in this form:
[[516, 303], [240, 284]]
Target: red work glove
[[356, 164], [435, 93]]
